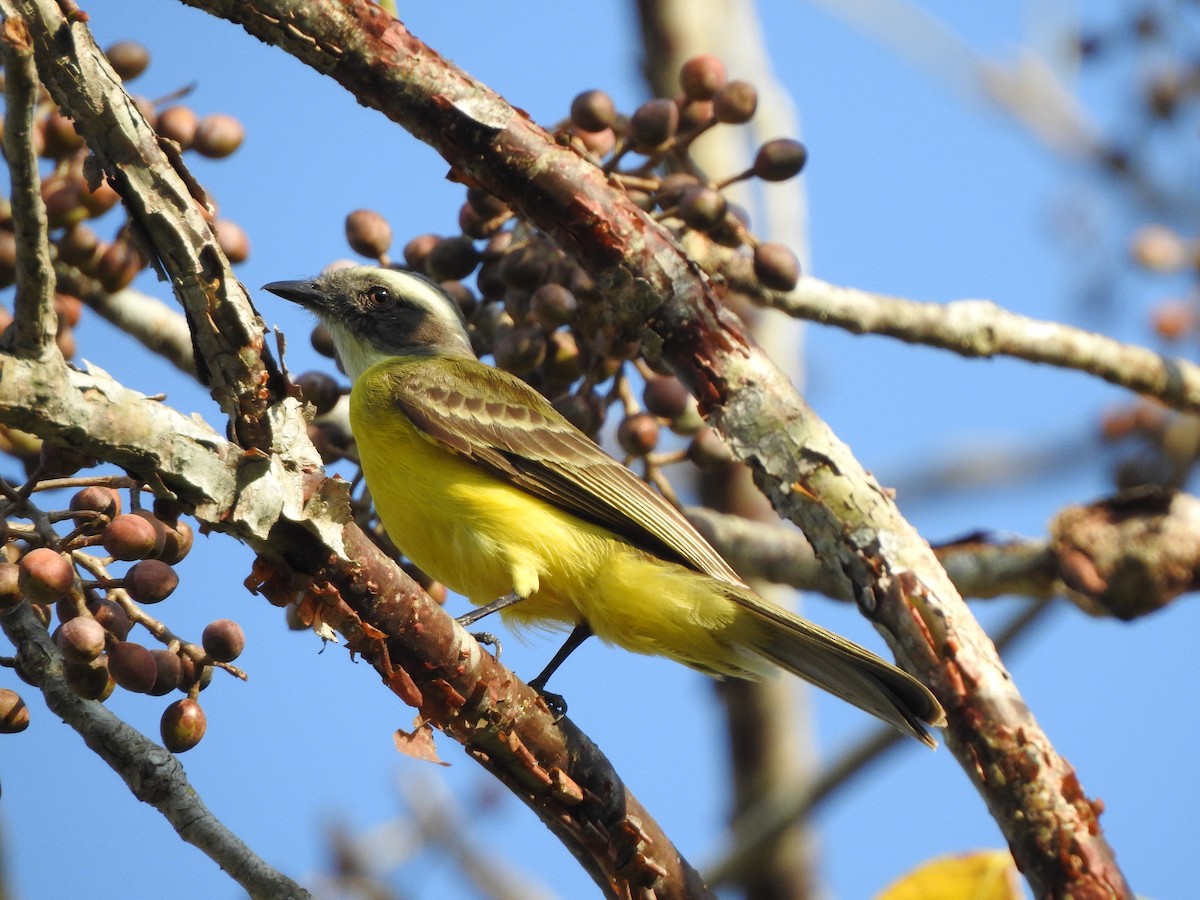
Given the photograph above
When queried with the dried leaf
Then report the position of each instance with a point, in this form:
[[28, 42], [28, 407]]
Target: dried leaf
[[418, 743], [981, 875]]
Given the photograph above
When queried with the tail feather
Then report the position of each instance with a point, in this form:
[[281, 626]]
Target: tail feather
[[841, 667]]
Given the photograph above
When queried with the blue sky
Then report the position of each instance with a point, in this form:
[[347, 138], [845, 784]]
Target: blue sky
[[912, 192]]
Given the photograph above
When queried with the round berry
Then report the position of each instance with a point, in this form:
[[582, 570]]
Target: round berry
[[368, 233], [319, 389], [452, 259], [14, 714], [128, 58], [132, 666], [182, 725], [735, 103], [45, 575], [223, 640], [218, 135], [81, 638], [653, 124], [638, 434], [179, 124], [130, 536], [702, 76], [780, 159], [593, 111], [776, 266], [169, 672], [150, 581]]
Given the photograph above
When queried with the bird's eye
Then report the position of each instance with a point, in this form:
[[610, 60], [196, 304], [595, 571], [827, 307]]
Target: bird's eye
[[378, 296]]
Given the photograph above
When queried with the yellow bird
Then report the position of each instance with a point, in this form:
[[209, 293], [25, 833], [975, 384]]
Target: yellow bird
[[486, 487]]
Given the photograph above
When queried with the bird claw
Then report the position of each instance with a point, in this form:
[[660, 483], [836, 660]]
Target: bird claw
[[489, 640], [556, 703]]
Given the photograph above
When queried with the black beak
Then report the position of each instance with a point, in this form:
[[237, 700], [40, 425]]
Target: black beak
[[304, 293]]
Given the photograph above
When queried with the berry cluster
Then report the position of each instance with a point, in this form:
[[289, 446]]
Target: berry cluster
[[75, 193], [69, 575]]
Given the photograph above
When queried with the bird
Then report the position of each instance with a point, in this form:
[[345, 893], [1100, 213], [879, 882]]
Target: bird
[[481, 483]]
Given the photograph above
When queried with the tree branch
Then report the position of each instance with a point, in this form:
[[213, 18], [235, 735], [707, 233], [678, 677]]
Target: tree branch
[[35, 322], [153, 774], [808, 474], [224, 325]]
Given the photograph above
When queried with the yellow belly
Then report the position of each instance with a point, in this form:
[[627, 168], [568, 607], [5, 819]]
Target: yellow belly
[[483, 537]]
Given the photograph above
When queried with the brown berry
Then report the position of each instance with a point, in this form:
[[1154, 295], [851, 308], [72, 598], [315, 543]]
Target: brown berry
[[112, 616], [525, 268], [1174, 319], [179, 124], [368, 233], [638, 434], [14, 714], [118, 265], [233, 240], [81, 638], [169, 672], [780, 159], [182, 725], [223, 640], [666, 397], [553, 305], [451, 259], [10, 587], [322, 341], [193, 675], [79, 246], [90, 680], [61, 138], [519, 350], [653, 124], [488, 205], [8, 257], [593, 111], [735, 103], [418, 249], [776, 266], [132, 666], [128, 58], [45, 575], [1159, 249], [99, 506], [702, 208], [218, 135], [150, 581], [462, 295], [319, 389], [702, 76], [130, 536], [585, 412]]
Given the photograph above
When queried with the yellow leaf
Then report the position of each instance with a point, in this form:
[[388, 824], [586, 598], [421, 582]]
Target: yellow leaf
[[980, 875]]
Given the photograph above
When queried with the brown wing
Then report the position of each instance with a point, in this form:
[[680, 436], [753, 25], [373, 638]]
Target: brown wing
[[502, 424]]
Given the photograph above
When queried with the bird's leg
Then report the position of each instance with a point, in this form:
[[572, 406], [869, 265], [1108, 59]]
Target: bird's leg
[[556, 702], [495, 606]]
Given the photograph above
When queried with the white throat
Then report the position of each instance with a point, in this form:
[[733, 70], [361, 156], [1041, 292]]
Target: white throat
[[356, 356]]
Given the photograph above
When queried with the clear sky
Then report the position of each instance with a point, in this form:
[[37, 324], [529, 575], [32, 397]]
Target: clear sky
[[913, 191]]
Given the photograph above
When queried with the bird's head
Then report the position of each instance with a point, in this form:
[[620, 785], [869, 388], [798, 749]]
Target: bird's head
[[373, 314]]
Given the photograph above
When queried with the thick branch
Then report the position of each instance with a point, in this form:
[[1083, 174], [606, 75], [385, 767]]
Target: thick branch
[[810, 476], [154, 188], [34, 321], [153, 775]]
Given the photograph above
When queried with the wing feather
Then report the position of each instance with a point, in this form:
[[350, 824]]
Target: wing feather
[[517, 435]]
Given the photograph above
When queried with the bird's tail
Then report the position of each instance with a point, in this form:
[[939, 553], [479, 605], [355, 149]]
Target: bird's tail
[[839, 666]]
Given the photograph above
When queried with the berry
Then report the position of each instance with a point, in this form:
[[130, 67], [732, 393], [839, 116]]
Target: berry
[[368, 233], [169, 672], [112, 616], [552, 305], [128, 58], [519, 350], [233, 240], [451, 259], [81, 638], [666, 396], [179, 124], [219, 135], [45, 575], [182, 725], [735, 103], [776, 266], [103, 503], [702, 76], [653, 124], [780, 159], [638, 434], [702, 208], [593, 111], [130, 536], [14, 714], [417, 251], [150, 581], [10, 587], [319, 389], [91, 681], [132, 666], [223, 640]]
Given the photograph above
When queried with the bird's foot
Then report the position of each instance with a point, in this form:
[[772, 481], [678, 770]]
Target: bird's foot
[[489, 640]]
